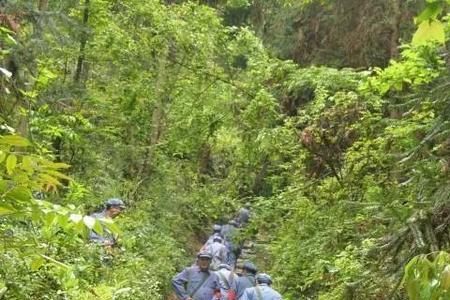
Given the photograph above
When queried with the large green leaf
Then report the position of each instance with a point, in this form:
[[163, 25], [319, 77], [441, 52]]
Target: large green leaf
[[5, 210], [3, 289], [113, 227], [49, 218], [14, 140], [98, 227], [2, 156], [19, 194], [11, 163], [429, 31], [57, 174], [27, 163], [37, 262], [3, 186], [445, 278]]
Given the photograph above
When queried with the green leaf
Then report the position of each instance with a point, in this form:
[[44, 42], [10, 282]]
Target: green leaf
[[53, 165], [112, 227], [19, 194], [48, 180], [27, 163], [49, 218], [10, 41], [98, 227], [14, 140], [62, 221], [11, 163], [5, 211], [2, 156], [429, 31], [37, 262], [3, 290], [432, 11], [3, 186], [57, 174]]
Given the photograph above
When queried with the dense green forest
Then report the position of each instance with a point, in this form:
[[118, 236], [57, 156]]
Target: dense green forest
[[331, 117]]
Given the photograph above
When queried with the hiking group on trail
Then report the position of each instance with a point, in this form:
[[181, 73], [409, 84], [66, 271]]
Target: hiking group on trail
[[213, 276]]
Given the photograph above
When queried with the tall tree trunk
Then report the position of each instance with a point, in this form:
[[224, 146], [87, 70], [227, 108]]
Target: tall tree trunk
[[259, 17], [395, 27], [157, 118], [204, 158], [83, 41], [42, 5]]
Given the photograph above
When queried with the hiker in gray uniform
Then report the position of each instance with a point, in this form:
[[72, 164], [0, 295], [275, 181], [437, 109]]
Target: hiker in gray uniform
[[113, 207], [197, 282], [219, 252], [229, 231], [216, 232], [244, 215], [227, 280], [262, 290], [247, 279]]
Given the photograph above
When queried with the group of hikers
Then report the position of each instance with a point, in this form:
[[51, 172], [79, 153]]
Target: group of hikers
[[214, 274]]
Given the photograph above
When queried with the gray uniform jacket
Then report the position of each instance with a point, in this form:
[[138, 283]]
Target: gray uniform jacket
[[107, 236], [228, 231], [186, 282], [227, 280], [211, 239], [244, 216], [267, 293], [244, 282], [219, 253]]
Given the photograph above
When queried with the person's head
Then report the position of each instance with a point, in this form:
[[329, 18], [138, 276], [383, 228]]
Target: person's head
[[247, 205], [249, 268], [263, 278], [217, 239], [114, 207], [217, 228], [204, 260], [224, 266], [234, 223]]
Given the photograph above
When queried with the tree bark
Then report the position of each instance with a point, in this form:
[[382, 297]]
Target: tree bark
[[259, 17], [395, 28], [83, 42], [157, 118], [42, 5]]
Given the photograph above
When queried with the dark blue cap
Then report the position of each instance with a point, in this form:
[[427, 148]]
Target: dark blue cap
[[250, 267], [204, 254], [114, 202], [263, 278], [217, 238]]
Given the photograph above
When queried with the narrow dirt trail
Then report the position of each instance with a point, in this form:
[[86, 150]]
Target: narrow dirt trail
[[255, 251]]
